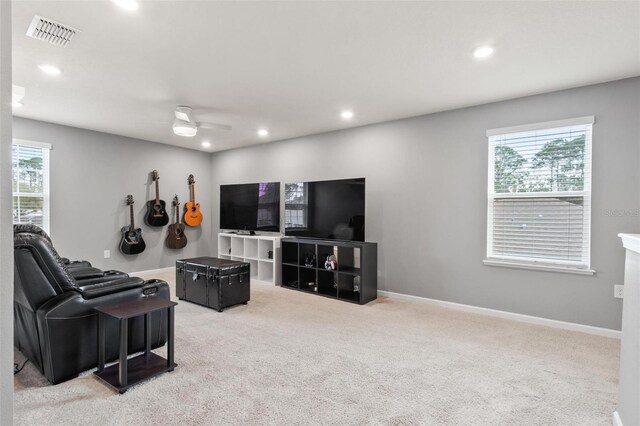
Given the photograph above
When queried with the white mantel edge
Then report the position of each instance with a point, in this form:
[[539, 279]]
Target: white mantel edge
[[631, 241]]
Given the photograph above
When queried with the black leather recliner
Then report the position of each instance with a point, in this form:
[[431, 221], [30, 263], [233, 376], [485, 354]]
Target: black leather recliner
[[81, 270], [55, 324]]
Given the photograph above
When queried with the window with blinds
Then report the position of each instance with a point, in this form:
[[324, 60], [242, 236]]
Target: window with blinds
[[30, 168], [539, 194]]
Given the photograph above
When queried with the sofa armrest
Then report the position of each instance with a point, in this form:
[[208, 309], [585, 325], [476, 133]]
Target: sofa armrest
[[74, 304], [102, 278], [92, 291], [72, 264], [84, 272]]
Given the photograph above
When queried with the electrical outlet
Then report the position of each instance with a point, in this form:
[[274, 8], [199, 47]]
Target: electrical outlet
[[107, 254], [618, 291]]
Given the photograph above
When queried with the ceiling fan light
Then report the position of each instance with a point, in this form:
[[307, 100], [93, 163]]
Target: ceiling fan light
[[183, 112], [184, 128], [182, 116]]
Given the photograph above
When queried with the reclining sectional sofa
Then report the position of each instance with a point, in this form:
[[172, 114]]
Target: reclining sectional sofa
[[55, 324]]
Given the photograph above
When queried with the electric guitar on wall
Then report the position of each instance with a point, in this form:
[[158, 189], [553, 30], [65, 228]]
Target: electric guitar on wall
[[132, 242], [156, 208], [192, 215], [176, 238]]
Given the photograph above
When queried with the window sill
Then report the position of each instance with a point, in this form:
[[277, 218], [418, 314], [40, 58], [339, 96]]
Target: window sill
[[538, 267]]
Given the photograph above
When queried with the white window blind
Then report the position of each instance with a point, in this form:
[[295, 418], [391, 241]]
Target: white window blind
[[539, 193], [30, 168]]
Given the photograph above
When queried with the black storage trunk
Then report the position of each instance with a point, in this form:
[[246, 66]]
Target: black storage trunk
[[212, 282]]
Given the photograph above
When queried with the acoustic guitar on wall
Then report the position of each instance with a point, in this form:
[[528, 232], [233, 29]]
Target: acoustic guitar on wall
[[132, 242], [156, 208], [192, 215], [176, 239]]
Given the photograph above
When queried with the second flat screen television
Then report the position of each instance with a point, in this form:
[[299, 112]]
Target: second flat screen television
[[330, 209], [250, 206]]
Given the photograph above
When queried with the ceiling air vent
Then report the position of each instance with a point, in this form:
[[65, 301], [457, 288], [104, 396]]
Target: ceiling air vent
[[51, 31]]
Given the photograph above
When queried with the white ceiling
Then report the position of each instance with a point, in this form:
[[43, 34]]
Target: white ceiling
[[293, 66]]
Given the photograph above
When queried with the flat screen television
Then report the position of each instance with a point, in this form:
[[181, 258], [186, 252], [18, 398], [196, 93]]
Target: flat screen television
[[330, 209], [250, 207]]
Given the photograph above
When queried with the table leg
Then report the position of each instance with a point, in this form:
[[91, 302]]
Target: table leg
[[170, 338], [147, 333], [100, 341], [123, 351]]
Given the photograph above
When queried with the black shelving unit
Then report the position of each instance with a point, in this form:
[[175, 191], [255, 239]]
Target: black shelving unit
[[355, 280]]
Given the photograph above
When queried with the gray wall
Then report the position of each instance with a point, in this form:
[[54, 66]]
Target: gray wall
[[91, 174], [426, 198], [6, 232]]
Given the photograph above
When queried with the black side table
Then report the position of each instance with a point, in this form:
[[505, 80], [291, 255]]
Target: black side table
[[126, 373]]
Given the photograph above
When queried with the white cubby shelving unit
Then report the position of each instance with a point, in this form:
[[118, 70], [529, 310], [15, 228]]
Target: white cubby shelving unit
[[253, 249]]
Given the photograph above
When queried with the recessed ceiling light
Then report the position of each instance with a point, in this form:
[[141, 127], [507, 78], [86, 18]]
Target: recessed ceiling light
[[263, 133], [206, 144], [346, 115], [483, 52], [127, 4], [50, 69]]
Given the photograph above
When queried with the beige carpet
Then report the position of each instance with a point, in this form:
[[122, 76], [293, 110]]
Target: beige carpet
[[292, 358]]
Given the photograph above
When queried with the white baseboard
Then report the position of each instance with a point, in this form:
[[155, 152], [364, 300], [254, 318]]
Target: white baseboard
[[153, 271], [616, 419], [606, 332]]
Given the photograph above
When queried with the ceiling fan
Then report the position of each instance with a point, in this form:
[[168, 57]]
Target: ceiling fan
[[185, 125]]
